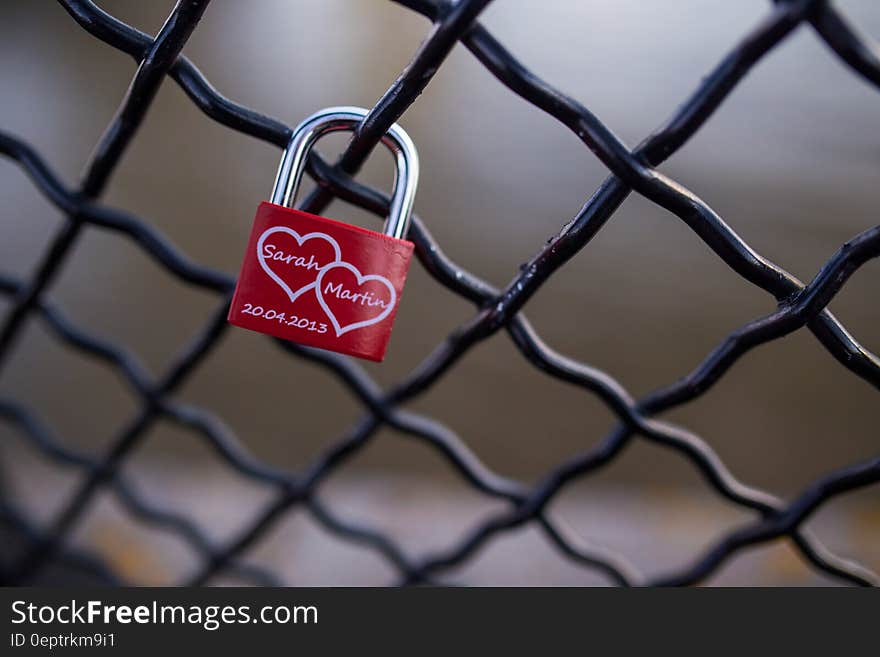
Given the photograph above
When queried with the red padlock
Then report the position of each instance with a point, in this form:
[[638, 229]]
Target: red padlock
[[317, 281]]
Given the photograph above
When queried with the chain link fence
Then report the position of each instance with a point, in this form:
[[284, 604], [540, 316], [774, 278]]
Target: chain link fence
[[799, 306]]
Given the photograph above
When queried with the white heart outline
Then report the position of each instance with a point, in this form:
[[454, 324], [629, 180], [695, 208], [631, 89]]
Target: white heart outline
[[299, 240], [361, 279]]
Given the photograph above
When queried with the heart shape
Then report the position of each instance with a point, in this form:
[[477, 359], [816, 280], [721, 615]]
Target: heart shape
[[352, 297], [261, 256]]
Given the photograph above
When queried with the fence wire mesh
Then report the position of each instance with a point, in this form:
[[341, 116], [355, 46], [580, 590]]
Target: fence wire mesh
[[798, 305]]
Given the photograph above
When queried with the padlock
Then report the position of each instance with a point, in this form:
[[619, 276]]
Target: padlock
[[317, 281]]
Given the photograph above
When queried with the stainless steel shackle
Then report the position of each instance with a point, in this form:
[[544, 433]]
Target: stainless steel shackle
[[334, 119]]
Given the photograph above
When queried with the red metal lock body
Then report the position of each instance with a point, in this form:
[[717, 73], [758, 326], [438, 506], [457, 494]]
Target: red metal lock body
[[321, 282]]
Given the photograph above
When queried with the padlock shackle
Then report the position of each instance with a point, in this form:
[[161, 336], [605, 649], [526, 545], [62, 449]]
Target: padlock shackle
[[334, 119]]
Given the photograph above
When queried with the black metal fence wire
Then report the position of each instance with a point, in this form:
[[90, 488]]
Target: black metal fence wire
[[798, 305]]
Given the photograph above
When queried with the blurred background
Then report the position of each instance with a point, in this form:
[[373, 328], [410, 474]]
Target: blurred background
[[791, 161]]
